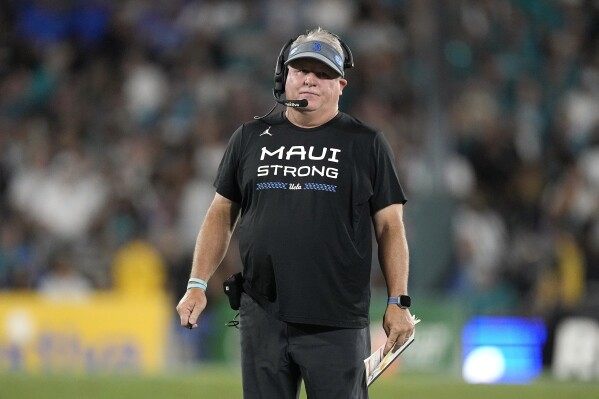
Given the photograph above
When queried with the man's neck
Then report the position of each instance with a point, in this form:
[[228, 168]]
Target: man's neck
[[309, 119]]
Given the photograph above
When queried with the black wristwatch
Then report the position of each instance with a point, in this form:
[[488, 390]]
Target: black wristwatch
[[403, 301]]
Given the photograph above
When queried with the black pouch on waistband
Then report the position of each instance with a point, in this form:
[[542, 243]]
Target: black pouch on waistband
[[233, 287]]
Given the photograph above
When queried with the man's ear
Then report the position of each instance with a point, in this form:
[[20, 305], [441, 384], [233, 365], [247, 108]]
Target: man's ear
[[342, 84]]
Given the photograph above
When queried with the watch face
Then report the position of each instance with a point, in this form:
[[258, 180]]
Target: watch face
[[405, 301]]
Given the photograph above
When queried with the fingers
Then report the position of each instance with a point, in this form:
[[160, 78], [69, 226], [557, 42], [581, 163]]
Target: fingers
[[396, 341], [184, 314], [193, 318], [390, 344], [190, 326], [189, 309], [399, 326]]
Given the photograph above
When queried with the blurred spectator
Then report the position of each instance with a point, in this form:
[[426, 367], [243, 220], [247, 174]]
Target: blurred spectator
[[144, 90], [480, 244], [480, 236], [64, 197], [62, 280]]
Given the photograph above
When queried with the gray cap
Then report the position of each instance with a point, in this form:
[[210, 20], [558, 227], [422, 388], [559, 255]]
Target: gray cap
[[319, 51]]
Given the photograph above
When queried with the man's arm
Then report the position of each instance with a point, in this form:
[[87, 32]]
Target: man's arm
[[210, 249], [394, 260]]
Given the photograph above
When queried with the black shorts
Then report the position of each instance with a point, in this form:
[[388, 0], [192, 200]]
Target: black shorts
[[276, 356]]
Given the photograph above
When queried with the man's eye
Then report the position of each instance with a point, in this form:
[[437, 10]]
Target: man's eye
[[319, 74]]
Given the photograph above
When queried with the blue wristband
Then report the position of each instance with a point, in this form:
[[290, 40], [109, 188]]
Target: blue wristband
[[197, 283]]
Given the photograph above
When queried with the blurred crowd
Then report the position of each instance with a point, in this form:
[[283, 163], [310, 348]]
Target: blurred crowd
[[114, 116]]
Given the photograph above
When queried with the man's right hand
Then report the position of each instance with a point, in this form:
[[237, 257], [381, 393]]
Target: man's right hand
[[191, 306]]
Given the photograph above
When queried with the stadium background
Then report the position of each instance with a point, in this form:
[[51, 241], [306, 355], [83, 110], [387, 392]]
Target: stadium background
[[114, 115]]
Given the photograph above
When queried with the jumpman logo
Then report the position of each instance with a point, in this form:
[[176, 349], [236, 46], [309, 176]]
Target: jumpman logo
[[267, 131]]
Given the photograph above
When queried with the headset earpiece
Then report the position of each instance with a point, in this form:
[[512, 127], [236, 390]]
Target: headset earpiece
[[281, 71], [348, 62]]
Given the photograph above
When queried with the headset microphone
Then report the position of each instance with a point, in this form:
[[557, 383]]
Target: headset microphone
[[292, 103], [287, 103]]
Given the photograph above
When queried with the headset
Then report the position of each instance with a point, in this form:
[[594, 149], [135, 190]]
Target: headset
[[280, 75], [281, 70]]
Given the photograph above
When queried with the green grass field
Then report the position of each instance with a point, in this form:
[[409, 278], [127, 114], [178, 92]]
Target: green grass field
[[223, 383]]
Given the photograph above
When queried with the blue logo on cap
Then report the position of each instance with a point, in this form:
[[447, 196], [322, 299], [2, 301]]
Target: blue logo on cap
[[316, 46], [338, 60]]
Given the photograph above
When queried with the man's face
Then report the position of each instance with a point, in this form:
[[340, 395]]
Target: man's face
[[314, 81]]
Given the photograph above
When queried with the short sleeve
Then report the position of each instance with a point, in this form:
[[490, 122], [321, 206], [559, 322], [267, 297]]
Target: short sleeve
[[387, 189], [227, 182]]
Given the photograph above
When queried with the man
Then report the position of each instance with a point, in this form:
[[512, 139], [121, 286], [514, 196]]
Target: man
[[306, 184]]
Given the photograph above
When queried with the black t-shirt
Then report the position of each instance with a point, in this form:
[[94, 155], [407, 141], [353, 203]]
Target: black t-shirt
[[307, 197]]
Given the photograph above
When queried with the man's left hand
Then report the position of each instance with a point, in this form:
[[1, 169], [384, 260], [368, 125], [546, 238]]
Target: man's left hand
[[398, 325]]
